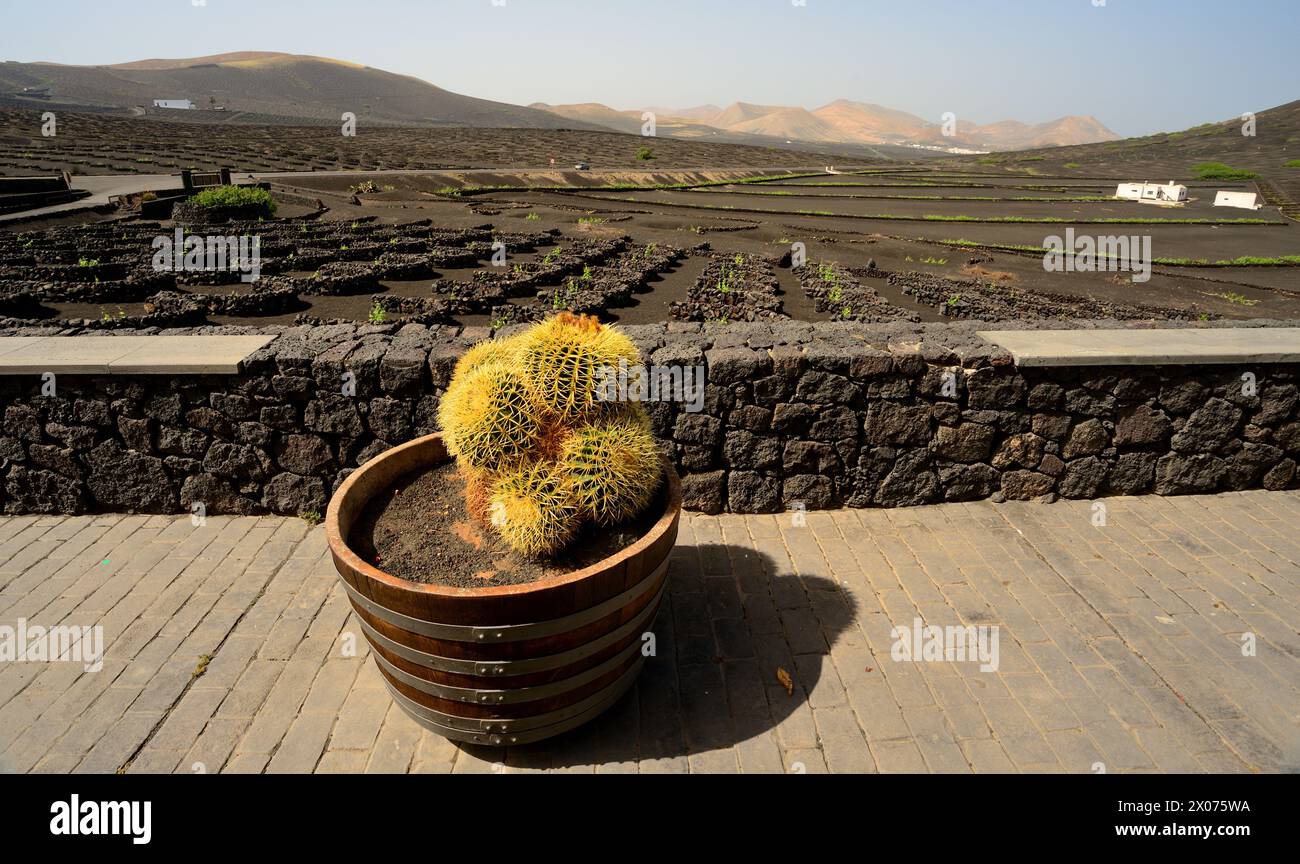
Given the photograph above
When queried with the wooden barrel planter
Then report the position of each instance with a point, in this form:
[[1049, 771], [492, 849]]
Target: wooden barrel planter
[[508, 664]]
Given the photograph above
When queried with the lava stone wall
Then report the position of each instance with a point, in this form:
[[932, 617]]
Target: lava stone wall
[[794, 415]]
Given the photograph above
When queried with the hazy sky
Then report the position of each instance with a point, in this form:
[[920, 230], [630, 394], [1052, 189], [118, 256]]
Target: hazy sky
[[1139, 66]]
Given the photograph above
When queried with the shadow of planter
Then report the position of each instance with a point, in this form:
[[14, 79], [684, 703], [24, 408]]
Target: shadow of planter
[[727, 624]]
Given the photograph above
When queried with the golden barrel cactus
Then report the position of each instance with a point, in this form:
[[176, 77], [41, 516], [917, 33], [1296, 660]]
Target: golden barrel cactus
[[613, 466], [564, 359], [542, 447], [533, 509], [487, 418]]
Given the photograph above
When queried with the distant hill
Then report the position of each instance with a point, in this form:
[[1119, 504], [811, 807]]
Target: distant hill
[[846, 122], [794, 123], [760, 133], [595, 113], [1276, 141], [266, 86], [866, 122], [1175, 155], [1013, 135], [272, 84], [700, 113]]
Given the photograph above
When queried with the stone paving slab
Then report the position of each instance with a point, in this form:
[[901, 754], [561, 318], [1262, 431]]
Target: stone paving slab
[[1134, 635], [127, 355], [13, 343], [1181, 347]]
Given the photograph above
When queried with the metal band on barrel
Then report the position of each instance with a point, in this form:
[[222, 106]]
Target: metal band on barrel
[[506, 632], [516, 696], [520, 731], [502, 668]]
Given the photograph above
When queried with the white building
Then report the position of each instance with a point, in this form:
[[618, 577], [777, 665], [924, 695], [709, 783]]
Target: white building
[[1170, 193], [1244, 200], [178, 104]]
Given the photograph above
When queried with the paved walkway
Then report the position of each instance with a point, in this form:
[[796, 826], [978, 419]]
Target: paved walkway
[[102, 187], [1120, 647]]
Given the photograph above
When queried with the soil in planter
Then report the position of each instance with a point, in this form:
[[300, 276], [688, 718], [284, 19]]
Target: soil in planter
[[422, 533]]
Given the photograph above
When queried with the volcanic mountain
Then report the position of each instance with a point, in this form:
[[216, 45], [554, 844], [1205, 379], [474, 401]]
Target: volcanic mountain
[[276, 87], [848, 122], [272, 84]]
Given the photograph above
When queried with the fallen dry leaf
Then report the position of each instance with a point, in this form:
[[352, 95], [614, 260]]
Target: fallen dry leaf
[[786, 681]]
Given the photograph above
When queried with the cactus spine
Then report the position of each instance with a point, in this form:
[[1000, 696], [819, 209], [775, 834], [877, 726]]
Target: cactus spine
[[613, 466], [564, 360], [488, 351], [533, 509], [541, 451], [488, 419]]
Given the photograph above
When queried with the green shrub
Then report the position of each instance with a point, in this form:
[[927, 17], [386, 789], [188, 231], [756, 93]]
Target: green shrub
[[645, 154], [1219, 171], [1294, 163], [1235, 298], [236, 196]]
